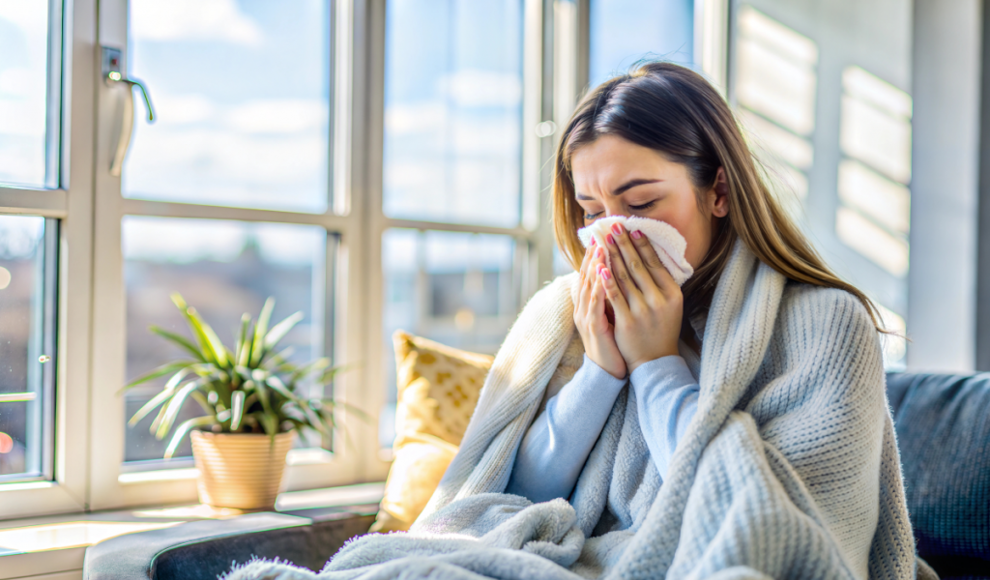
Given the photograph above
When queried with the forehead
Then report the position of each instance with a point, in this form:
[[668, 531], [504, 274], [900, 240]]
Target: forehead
[[609, 161]]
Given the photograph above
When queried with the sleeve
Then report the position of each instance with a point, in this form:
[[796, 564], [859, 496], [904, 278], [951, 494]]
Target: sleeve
[[666, 400], [557, 444]]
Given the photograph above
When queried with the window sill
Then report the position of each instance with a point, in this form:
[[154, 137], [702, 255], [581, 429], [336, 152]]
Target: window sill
[[296, 457], [57, 544]]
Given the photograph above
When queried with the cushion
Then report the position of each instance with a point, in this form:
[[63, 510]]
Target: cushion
[[438, 388], [943, 433]]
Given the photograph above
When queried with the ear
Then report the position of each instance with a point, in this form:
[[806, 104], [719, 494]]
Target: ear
[[720, 205]]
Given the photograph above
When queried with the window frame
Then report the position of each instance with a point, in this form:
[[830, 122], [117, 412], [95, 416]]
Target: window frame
[[90, 418], [74, 32]]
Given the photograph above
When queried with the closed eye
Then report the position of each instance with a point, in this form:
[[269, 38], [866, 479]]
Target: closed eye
[[645, 206]]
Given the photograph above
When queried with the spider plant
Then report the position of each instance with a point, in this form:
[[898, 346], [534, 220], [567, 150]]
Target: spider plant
[[250, 389]]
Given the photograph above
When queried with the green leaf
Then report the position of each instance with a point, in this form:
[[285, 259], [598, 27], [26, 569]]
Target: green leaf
[[174, 405], [223, 391], [276, 383], [150, 406], [212, 340], [269, 423], [243, 346], [179, 340], [279, 331], [260, 330], [203, 403], [237, 410], [184, 428], [262, 391], [306, 370], [348, 408], [213, 350], [332, 372], [158, 372]]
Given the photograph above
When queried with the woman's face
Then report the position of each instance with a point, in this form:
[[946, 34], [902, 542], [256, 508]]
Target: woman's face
[[613, 176]]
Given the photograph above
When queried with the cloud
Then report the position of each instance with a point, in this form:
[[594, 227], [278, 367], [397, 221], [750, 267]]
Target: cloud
[[425, 116], [30, 17], [480, 88], [213, 20], [279, 116], [197, 164], [183, 109], [164, 239], [186, 240]]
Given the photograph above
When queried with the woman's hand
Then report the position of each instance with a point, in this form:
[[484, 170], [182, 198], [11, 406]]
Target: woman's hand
[[648, 304], [596, 332]]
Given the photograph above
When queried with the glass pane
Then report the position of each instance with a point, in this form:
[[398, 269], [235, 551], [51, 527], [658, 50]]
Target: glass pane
[[223, 269], [458, 289], [27, 133], [625, 31], [27, 352], [453, 110], [241, 89]]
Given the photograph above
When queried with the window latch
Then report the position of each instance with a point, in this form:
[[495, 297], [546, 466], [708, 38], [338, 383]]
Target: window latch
[[112, 74]]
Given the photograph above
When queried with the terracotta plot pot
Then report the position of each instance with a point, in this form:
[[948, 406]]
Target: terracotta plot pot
[[240, 470]]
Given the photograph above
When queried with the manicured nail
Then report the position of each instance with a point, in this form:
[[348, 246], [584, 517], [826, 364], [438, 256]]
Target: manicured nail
[[605, 274], [617, 228], [636, 234], [592, 241], [600, 268], [599, 253], [610, 239]]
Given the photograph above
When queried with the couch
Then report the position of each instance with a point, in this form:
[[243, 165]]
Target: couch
[[943, 431]]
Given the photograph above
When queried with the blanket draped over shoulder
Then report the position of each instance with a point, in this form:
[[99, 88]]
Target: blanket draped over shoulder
[[789, 468]]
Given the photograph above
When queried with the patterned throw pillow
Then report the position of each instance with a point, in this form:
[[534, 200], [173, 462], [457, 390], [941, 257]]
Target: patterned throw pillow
[[438, 388]]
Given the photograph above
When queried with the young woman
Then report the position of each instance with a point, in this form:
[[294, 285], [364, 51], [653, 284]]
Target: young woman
[[733, 428], [660, 143]]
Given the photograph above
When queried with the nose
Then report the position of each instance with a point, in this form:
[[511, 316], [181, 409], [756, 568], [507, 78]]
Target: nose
[[614, 207]]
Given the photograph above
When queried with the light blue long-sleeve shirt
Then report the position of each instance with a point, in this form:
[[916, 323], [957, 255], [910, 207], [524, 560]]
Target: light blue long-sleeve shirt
[[557, 444]]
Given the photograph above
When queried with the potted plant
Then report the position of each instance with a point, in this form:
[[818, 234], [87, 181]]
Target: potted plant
[[253, 402]]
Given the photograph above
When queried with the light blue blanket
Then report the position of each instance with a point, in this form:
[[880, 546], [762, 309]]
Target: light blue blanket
[[789, 469]]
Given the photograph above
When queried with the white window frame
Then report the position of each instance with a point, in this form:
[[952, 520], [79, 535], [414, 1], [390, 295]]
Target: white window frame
[[91, 359], [72, 204]]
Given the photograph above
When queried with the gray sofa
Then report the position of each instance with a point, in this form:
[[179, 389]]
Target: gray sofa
[[943, 431]]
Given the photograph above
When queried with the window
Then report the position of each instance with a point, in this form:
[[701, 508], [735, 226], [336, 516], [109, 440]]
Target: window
[[625, 31], [373, 165], [28, 252], [43, 204], [452, 155]]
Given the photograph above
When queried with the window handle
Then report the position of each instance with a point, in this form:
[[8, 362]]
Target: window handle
[[117, 78], [112, 75]]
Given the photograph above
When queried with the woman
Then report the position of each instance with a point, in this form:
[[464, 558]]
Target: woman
[[657, 143], [754, 438]]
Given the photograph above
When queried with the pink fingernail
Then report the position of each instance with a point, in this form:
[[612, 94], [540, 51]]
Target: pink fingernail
[[605, 274], [592, 241], [610, 239], [617, 228], [636, 234]]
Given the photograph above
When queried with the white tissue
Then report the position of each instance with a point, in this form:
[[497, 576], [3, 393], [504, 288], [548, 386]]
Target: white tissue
[[669, 244]]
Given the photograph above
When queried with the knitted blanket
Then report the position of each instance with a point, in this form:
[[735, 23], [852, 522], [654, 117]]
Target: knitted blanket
[[789, 468]]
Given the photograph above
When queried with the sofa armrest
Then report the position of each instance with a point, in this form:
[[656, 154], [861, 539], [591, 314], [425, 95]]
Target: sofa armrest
[[204, 549]]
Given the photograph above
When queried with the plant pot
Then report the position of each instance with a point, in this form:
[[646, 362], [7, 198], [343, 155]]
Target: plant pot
[[240, 470]]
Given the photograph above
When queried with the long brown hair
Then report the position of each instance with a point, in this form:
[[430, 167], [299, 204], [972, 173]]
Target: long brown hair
[[673, 110]]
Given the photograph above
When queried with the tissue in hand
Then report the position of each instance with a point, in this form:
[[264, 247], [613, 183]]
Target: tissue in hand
[[669, 244]]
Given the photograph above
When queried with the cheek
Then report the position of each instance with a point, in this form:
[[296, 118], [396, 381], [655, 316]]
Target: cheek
[[693, 226]]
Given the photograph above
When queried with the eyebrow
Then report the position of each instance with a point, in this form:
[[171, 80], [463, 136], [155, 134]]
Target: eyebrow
[[623, 188]]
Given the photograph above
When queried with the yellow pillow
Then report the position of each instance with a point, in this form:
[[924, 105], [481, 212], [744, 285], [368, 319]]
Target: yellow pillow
[[438, 390]]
